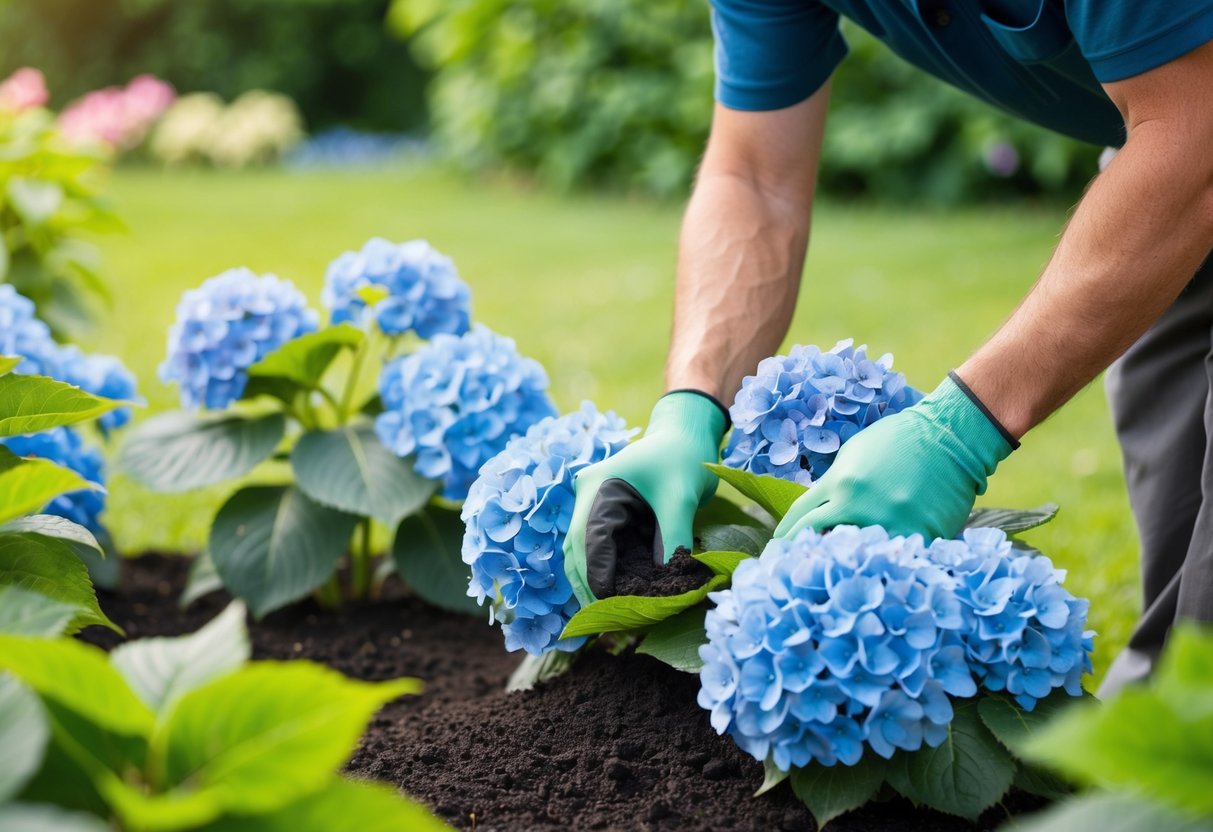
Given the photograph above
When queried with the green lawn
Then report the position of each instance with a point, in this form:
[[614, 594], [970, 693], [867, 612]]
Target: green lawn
[[584, 285]]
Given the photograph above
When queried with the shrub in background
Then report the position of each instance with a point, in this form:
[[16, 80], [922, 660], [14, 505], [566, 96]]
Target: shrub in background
[[257, 128], [118, 118]]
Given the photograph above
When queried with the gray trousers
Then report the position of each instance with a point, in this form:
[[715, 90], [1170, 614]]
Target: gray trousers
[[1161, 393]]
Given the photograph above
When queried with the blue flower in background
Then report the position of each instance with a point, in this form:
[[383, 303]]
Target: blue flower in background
[[517, 514], [827, 644], [422, 291], [23, 334], [65, 447], [101, 375], [455, 403], [790, 419], [225, 326], [1025, 633]]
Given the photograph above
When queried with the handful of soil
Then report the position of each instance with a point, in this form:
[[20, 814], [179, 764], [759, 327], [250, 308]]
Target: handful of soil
[[636, 574]]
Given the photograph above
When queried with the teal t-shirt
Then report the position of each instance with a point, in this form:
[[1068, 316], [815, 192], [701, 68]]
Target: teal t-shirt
[[1041, 60]]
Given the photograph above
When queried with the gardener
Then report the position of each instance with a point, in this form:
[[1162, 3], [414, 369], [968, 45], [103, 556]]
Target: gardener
[[1125, 283]]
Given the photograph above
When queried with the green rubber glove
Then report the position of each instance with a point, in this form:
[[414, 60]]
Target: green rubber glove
[[918, 471], [647, 494]]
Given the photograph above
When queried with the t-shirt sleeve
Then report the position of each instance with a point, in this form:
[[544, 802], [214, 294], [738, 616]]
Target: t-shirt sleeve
[[772, 54], [1123, 38]]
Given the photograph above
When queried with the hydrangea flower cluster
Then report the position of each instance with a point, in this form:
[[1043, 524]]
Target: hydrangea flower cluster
[[517, 514], [424, 292], [457, 401], [1026, 632], [225, 326], [65, 447], [830, 643], [23, 90], [827, 643], [790, 419], [23, 334], [118, 117]]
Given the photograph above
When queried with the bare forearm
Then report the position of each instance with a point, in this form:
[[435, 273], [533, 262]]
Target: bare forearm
[[1134, 242], [741, 255]]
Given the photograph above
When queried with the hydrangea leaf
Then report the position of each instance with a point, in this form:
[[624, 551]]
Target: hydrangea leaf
[[676, 640], [18, 817], [1103, 812], [1185, 676], [304, 360], [1040, 781], [537, 669], [27, 485], [964, 776], [772, 776], [29, 404], [748, 539], [722, 563], [50, 525], [27, 613], [8, 362], [203, 579], [23, 734], [722, 512], [160, 670], [342, 804], [179, 451], [427, 556], [634, 612], [830, 791], [1012, 725], [1011, 520], [773, 495], [273, 545], [78, 677], [49, 567], [349, 469], [286, 727]]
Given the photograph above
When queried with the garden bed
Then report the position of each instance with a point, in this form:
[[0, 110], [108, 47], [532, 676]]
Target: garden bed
[[617, 743]]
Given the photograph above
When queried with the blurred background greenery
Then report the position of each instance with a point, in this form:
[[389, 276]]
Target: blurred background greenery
[[551, 142]]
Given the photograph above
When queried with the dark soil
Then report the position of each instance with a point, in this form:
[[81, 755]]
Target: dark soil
[[637, 574], [617, 743]]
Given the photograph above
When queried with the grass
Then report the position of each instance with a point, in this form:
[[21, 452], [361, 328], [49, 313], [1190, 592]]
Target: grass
[[585, 286]]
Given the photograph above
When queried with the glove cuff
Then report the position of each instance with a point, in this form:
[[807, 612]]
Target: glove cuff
[[985, 411], [691, 411], [980, 442]]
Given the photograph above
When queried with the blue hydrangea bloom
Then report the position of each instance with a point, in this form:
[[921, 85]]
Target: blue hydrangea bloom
[[1026, 634], [517, 514], [424, 292], [23, 333], [455, 403], [101, 375], [827, 645], [225, 326], [65, 447], [790, 419]]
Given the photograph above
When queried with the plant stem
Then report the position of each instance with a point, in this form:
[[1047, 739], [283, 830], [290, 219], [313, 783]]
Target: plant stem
[[361, 557], [351, 383], [329, 593]]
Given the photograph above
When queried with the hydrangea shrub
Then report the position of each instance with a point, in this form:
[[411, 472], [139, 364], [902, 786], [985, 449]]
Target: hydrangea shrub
[[791, 417], [517, 514], [64, 446], [455, 403], [421, 290]]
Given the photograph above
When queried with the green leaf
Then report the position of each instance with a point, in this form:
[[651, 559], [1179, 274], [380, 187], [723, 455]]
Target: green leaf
[[534, 670], [964, 776], [26, 613], [179, 451], [202, 579], [304, 360], [342, 804], [8, 363], [257, 740], [635, 612], [772, 776], [272, 545], [676, 641], [1012, 725], [830, 791], [773, 495], [1101, 812], [160, 670], [23, 736], [50, 567], [749, 539], [722, 563], [427, 553], [722, 512], [27, 485], [60, 528], [1011, 520], [79, 677], [349, 469], [1040, 781], [29, 404], [1185, 674], [34, 200], [17, 817]]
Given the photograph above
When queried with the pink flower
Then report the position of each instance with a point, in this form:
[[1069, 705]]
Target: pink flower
[[116, 116], [23, 90]]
